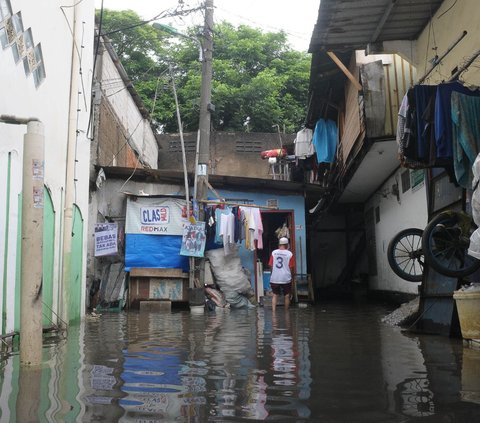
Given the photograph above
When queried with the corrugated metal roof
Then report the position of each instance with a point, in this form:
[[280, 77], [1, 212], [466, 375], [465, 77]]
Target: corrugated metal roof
[[356, 23]]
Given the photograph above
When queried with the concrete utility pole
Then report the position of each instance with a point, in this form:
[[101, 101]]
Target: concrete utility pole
[[32, 246], [32, 240], [205, 118]]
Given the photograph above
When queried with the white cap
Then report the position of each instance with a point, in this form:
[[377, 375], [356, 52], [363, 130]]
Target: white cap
[[283, 241]]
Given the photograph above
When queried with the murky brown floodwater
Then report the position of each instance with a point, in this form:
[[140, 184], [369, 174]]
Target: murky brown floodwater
[[330, 363]]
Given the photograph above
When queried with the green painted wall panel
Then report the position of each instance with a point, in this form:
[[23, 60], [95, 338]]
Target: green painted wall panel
[[76, 264], [5, 255], [48, 258]]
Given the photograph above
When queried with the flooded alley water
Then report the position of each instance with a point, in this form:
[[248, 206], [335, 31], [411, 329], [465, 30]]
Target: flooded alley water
[[335, 362]]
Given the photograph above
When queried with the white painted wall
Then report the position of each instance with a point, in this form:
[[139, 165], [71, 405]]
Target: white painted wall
[[49, 102], [140, 135], [395, 215]]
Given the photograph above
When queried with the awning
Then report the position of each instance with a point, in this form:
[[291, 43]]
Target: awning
[[352, 24]]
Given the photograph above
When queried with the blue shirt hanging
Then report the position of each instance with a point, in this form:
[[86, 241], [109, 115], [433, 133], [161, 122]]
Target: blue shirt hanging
[[325, 140], [443, 113]]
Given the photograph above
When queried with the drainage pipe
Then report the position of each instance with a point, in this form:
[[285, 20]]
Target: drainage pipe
[[66, 285]]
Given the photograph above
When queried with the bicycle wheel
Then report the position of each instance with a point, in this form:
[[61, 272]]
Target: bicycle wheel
[[405, 255], [445, 240]]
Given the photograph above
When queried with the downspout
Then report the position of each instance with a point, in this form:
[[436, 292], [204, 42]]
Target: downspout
[[69, 176]]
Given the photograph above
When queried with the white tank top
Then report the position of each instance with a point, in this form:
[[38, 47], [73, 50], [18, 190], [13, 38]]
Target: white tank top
[[280, 263]]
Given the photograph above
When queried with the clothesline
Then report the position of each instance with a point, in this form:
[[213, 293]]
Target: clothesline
[[233, 204]]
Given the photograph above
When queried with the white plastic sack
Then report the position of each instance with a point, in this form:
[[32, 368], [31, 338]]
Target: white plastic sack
[[476, 170], [228, 271], [237, 300], [474, 247], [476, 192]]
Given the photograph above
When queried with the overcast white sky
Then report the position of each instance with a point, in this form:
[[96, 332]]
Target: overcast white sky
[[296, 18]]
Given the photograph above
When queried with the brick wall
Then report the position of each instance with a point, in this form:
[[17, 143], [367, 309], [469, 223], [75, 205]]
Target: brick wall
[[113, 148]]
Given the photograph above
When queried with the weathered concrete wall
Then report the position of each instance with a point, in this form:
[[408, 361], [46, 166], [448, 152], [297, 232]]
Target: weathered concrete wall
[[133, 129], [232, 153], [394, 215]]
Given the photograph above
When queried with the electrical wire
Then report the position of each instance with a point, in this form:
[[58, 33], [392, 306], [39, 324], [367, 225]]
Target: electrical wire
[[450, 8], [70, 27], [98, 41], [298, 35], [94, 67], [163, 14], [77, 131], [81, 69], [131, 176], [126, 142]]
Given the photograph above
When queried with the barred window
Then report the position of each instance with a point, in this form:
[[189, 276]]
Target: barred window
[[248, 146], [175, 146]]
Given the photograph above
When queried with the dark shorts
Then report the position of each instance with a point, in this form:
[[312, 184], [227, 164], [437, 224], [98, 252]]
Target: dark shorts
[[277, 288]]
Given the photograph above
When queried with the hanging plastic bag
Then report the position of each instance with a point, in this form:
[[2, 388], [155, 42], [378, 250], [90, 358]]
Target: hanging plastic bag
[[474, 247]]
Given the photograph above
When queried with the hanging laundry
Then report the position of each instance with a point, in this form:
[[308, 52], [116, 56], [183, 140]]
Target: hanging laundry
[[227, 231], [402, 116], [423, 95], [465, 112], [443, 113], [210, 219], [218, 213], [324, 140], [407, 132], [242, 224], [303, 143], [416, 131], [254, 227]]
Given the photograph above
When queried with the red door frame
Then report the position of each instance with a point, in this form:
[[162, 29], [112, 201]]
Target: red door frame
[[291, 228]]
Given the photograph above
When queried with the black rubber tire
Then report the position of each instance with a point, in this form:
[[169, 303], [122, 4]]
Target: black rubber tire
[[405, 255], [445, 243]]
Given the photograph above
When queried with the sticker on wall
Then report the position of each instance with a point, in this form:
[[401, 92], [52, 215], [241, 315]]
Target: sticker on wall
[[193, 240], [38, 197], [106, 236], [202, 170], [37, 170]]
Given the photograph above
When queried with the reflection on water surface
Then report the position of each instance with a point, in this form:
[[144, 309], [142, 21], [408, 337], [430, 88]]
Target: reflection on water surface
[[329, 363]]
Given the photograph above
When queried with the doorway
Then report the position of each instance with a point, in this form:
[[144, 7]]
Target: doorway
[[275, 223]]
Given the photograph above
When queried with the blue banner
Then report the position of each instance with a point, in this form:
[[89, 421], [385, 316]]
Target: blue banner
[[154, 251]]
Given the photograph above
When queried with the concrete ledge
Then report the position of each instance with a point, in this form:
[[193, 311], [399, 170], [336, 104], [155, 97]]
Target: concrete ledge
[[155, 305], [147, 272]]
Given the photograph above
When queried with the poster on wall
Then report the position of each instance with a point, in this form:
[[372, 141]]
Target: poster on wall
[[193, 240], [106, 237], [155, 216]]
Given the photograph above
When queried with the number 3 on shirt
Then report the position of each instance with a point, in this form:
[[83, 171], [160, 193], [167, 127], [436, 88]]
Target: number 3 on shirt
[[279, 262]]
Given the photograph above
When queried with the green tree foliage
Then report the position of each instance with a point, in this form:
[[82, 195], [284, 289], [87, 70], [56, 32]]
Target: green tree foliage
[[255, 75]]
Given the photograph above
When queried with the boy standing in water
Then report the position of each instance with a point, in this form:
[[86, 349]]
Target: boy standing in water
[[282, 264]]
